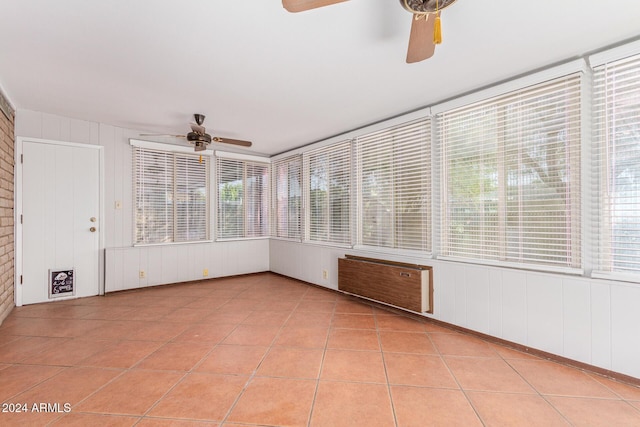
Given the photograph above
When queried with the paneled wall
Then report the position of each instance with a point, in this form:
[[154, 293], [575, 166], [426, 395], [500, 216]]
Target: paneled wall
[[182, 263], [6, 208], [161, 264], [588, 320]]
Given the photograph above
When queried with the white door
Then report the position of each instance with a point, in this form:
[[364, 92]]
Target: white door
[[60, 196]]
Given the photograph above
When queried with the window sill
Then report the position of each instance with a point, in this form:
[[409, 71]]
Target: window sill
[[631, 278], [239, 239], [541, 268], [194, 242]]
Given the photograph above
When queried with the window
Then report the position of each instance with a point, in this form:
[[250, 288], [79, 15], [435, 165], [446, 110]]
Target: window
[[243, 204], [287, 192], [171, 193], [511, 176], [617, 138], [394, 187], [328, 196]]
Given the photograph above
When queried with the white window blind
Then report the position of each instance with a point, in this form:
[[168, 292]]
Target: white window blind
[[394, 186], [617, 158], [243, 204], [171, 192], [287, 194], [328, 193], [511, 176]]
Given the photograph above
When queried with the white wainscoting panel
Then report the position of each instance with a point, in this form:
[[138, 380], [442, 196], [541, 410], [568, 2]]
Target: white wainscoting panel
[[576, 330], [460, 294], [495, 303], [478, 298], [544, 312], [130, 269], [625, 327], [444, 295], [183, 263], [600, 315], [169, 267], [112, 275], [154, 265], [514, 306]]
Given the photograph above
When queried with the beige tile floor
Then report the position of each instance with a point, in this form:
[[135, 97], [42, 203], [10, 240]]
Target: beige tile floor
[[264, 350]]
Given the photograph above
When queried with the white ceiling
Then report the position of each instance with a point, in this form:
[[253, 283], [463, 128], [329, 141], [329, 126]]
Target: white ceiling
[[281, 80]]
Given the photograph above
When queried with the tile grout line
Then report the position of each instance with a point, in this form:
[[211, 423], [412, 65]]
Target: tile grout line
[[386, 373], [155, 404], [464, 392], [255, 371], [185, 373], [322, 359], [536, 390]]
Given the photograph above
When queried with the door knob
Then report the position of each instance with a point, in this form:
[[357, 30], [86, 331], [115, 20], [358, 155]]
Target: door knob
[[92, 229]]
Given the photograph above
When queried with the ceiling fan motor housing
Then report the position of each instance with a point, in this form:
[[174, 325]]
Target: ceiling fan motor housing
[[425, 6], [200, 141], [196, 137]]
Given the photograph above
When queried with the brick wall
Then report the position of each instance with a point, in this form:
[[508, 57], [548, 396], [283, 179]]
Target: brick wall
[[7, 116]]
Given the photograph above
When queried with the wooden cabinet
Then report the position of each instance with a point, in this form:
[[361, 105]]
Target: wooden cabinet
[[402, 285]]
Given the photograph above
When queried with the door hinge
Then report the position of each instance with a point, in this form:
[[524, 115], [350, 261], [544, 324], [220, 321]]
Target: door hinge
[[21, 158], [21, 279], [20, 218]]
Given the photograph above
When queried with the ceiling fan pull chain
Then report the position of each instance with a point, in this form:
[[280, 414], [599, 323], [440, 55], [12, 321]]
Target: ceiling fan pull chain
[[437, 30], [437, 26]]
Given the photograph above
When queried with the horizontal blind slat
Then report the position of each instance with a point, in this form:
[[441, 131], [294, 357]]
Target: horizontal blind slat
[[394, 182], [616, 131], [243, 203], [328, 193], [171, 194], [287, 186], [511, 168]]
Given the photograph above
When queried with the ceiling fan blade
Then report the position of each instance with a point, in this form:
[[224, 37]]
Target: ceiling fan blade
[[421, 44], [200, 130], [163, 134], [231, 141], [302, 5]]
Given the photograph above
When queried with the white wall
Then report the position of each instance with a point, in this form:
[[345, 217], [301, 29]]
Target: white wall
[[162, 264], [588, 320]]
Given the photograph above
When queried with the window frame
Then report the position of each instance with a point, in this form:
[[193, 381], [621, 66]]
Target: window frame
[[573, 219], [610, 68], [334, 236], [174, 152], [247, 163], [287, 205], [408, 142]]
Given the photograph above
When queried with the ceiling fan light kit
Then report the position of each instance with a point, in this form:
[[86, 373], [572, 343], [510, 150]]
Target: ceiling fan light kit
[[426, 28]]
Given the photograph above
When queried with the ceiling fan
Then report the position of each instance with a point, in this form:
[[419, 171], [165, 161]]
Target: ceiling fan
[[200, 138], [425, 27]]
